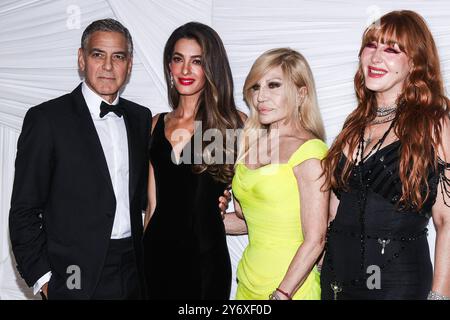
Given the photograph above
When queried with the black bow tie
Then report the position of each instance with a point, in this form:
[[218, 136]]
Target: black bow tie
[[107, 108]]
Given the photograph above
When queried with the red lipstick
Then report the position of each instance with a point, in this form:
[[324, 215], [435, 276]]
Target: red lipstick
[[376, 72], [186, 81]]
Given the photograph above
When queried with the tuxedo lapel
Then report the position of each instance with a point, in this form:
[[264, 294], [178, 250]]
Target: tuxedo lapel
[[89, 134]]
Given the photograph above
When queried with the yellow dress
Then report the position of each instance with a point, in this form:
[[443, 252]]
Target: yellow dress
[[270, 202]]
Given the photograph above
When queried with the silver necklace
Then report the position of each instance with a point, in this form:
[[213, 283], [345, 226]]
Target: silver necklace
[[384, 119], [385, 114], [386, 110]]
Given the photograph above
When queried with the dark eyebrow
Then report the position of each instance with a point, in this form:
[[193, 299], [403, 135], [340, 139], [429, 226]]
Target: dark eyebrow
[[181, 55], [96, 50], [121, 52], [103, 51]]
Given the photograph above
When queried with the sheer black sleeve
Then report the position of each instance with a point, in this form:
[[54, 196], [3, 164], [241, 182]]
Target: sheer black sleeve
[[444, 181]]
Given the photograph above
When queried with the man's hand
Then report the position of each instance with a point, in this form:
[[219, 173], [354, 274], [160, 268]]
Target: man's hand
[[224, 201]]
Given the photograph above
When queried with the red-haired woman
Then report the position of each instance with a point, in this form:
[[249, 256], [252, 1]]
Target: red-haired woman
[[389, 170]]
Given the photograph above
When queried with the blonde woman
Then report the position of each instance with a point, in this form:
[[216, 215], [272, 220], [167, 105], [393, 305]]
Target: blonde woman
[[278, 179]]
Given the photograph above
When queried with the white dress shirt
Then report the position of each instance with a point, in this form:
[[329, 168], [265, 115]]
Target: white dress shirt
[[112, 132]]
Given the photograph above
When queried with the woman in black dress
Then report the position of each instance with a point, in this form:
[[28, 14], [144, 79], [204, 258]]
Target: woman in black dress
[[389, 170], [186, 254]]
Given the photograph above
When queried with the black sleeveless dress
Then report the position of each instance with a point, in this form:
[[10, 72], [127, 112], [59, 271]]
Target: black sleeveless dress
[[185, 248], [376, 249]]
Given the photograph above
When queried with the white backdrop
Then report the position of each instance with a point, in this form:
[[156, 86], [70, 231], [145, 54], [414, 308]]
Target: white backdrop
[[39, 42]]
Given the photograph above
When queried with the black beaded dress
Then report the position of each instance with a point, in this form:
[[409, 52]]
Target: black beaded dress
[[376, 249], [185, 248]]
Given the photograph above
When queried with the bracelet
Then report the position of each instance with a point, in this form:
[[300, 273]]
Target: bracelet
[[284, 293], [274, 296], [436, 296]]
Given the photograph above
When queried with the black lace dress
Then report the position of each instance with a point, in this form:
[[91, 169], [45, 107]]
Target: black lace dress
[[376, 249], [185, 248]]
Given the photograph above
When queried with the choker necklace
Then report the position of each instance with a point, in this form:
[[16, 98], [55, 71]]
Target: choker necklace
[[386, 118], [385, 110]]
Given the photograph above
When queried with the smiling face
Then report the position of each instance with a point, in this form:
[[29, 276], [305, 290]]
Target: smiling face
[[385, 68], [186, 67], [106, 63], [269, 97]]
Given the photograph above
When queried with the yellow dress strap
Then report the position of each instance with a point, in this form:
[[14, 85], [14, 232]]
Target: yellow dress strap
[[311, 149]]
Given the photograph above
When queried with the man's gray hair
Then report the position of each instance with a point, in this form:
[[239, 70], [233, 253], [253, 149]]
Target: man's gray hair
[[109, 25]]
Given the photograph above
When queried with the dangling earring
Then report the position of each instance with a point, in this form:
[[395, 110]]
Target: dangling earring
[[171, 81]]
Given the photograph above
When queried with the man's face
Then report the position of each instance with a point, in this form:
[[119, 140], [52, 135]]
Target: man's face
[[106, 63]]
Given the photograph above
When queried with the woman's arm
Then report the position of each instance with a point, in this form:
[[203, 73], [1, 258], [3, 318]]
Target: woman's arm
[[441, 219], [234, 221], [334, 204], [151, 191], [151, 194], [314, 205]]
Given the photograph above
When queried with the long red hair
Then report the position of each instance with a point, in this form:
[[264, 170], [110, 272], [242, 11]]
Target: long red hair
[[421, 107]]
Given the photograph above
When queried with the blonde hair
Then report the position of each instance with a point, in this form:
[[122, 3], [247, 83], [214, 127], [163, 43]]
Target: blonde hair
[[305, 116]]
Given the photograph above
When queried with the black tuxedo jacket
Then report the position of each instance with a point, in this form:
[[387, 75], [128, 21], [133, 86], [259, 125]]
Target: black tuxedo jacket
[[63, 203]]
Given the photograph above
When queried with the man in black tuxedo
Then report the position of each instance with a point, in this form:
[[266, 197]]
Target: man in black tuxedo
[[81, 180]]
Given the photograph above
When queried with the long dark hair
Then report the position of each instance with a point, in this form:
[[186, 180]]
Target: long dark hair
[[422, 106], [216, 108]]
